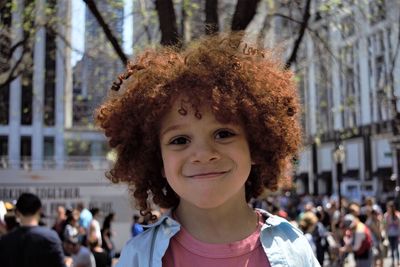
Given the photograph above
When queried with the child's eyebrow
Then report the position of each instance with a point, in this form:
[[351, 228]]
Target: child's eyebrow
[[171, 128]]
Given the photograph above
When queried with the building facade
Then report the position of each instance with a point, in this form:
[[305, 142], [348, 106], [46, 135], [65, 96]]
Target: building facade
[[100, 65], [41, 150], [348, 70]]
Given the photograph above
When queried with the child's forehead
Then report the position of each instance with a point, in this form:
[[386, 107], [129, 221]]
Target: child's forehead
[[183, 106]]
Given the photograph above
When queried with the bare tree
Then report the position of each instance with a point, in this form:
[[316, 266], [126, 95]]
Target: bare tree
[[167, 20], [302, 30], [244, 14], [107, 31], [211, 23], [16, 54]]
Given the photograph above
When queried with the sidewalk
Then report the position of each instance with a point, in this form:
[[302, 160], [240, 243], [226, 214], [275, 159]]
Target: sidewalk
[[350, 261]]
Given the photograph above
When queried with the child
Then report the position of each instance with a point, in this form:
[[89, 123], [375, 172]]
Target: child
[[201, 132]]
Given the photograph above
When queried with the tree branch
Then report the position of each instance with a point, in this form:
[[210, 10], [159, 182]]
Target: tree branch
[[276, 14], [303, 27], [12, 73], [17, 68], [107, 31]]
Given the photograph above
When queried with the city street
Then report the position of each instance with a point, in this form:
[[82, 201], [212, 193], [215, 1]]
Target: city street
[[350, 262], [118, 114]]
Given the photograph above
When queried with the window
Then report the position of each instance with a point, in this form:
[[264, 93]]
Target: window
[[50, 67], [379, 52], [48, 152], [49, 93], [27, 75], [48, 145], [5, 45], [300, 75], [26, 97], [77, 148], [26, 148], [350, 86], [3, 146], [4, 104], [377, 11], [3, 151], [5, 35], [323, 80], [347, 26]]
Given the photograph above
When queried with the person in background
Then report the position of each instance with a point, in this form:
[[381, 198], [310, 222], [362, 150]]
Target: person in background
[[94, 225], [373, 221], [320, 236], [80, 255], [60, 221], [107, 236], [3, 212], [136, 228], [358, 240], [30, 244], [11, 221], [307, 224], [354, 209], [391, 222], [72, 227], [85, 217], [100, 255]]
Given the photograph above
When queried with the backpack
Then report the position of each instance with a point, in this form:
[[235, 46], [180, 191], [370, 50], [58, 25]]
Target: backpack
[[366, 244]]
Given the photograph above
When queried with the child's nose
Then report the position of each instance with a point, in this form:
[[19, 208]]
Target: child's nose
[[205, 153]]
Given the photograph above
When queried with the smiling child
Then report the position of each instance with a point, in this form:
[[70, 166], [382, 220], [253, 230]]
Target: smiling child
[[200, 132]]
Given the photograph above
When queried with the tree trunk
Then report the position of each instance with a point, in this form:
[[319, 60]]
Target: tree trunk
[[167, 20], [211, 25], [244, 13]]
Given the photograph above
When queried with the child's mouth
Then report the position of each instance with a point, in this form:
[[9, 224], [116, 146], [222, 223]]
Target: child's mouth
[[207, 175]]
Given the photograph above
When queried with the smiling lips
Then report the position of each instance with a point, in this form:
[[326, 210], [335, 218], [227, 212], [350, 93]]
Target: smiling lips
[[207, 175]]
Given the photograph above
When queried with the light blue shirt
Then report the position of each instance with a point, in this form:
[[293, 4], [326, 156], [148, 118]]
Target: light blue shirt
[[284, 244], [84, 218]]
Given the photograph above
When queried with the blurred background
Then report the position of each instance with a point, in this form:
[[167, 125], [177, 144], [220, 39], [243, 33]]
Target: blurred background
[[58, 59]]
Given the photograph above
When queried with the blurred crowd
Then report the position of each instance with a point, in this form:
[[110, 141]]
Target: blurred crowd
[[368, 230], [85, 241]]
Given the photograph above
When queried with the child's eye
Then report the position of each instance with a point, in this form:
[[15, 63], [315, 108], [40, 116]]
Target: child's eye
[[221, 134], [181, 140]]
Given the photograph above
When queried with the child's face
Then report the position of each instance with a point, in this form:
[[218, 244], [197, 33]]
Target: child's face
[[205, 162]]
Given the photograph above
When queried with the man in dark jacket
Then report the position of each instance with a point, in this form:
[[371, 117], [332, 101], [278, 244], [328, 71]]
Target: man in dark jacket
[[30, 244]]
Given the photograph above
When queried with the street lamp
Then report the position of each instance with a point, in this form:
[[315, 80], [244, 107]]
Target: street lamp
[[339, 155]]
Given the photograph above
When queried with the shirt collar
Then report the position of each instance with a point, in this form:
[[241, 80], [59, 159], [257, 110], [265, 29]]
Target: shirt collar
[[270, 219]]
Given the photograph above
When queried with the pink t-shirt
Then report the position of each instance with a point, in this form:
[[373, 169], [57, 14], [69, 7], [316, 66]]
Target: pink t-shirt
[[184, 250]]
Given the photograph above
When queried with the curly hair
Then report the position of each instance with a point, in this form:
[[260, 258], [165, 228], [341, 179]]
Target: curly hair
[[236, 81]]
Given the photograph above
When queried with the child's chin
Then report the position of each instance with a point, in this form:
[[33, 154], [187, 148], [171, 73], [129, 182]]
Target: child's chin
[[209, 204]]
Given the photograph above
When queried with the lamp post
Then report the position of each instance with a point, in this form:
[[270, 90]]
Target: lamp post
[[339, 155]]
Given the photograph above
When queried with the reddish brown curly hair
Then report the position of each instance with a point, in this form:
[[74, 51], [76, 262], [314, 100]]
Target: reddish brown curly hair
[[238, 83]]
